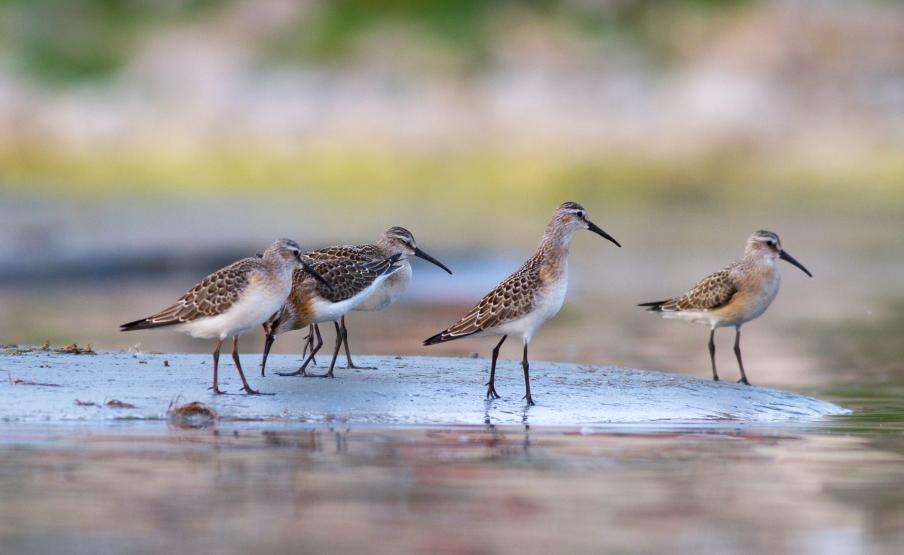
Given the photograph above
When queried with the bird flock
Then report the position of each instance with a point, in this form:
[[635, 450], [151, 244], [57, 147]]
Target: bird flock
[[286, 289]]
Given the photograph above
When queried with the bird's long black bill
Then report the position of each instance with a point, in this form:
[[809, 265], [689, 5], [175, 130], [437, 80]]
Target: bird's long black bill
[[788, 258], [596, 229], [421, 254], [310, 269]]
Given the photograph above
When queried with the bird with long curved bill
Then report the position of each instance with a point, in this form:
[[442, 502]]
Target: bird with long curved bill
[[522, 302], [233, 301], [310, 302], [733, 296], [395, 241]]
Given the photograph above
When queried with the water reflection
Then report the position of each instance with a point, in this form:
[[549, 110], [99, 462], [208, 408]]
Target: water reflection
[[477, 489]]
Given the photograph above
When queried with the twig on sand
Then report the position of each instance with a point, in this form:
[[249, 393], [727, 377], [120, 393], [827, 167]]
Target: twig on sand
[[17, 381]]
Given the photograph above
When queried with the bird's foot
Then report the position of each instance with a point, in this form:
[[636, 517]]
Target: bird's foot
[[491, 393], [530, 400], [354, 366], [217, 390], [300, 372], [715, 378], [744, 381], [250, 391], [327, 375]]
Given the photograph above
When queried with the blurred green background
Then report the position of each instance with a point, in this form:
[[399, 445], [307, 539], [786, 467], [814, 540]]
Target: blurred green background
[[143, 144]]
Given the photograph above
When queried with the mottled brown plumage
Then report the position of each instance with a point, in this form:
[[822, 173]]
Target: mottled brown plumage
[[211, 296], [232, 301], [394, 241], [514, 297], [523, 301], [309, 302], [733, 296], [347, 279], [714, 291]]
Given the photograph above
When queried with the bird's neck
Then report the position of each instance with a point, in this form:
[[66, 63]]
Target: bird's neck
[[554, 248]]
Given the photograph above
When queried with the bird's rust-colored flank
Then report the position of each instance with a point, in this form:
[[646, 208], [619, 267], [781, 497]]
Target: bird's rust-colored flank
[[309, 303], [395, 241]]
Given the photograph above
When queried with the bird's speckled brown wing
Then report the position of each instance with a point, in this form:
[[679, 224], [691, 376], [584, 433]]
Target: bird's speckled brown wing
[[347, 275], [513, 298], [710, 293], [357, 253], [212, 296]]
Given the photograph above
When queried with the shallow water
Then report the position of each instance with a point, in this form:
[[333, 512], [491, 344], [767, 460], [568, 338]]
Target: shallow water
[[832, 486]]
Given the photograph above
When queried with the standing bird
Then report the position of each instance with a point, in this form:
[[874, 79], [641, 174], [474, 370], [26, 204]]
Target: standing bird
[[309, 303], [233, 300], [523, 301], [733, 296], [394, 241]]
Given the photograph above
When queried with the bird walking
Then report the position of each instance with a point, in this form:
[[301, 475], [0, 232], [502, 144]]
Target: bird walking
[[523, 301], [310, 302], [394, 241], [233, 301], [733, 296]]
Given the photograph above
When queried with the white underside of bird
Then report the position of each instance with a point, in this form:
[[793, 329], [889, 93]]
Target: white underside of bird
[[389, 290], [256, 306], [327, 311]]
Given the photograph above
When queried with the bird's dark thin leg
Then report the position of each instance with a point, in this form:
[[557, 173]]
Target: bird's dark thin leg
[[268, 342], [309, 342], [348, 355], [316, 331], [216, 364], [737, 352], [526, 366], [339, 341], [238, 366], [712, 352], [301, 371], [491, 385]]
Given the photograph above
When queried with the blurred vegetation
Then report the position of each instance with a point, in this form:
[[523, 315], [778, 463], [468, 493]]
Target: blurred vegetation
[[58, 42], [367, 175]]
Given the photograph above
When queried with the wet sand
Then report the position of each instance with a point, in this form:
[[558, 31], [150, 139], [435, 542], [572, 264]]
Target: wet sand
[[46, 386]]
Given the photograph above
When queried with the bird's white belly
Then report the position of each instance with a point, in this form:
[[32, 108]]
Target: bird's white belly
[[548, 306], [388, 292], [326, 311], [761, 301], [253, 309]]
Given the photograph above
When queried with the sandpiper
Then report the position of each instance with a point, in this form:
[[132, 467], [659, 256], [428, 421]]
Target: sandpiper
[[395, 241], [310, 303], [232, 301], [523, 301], [733, 296]]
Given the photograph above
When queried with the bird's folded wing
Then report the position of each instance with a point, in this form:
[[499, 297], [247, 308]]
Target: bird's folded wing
[[213, 295], [710, 293]]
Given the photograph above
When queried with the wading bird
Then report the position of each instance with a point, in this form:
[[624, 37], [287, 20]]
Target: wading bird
[[733, 296], [394, 241], [233, 300], [523, 301], [310, 302]]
